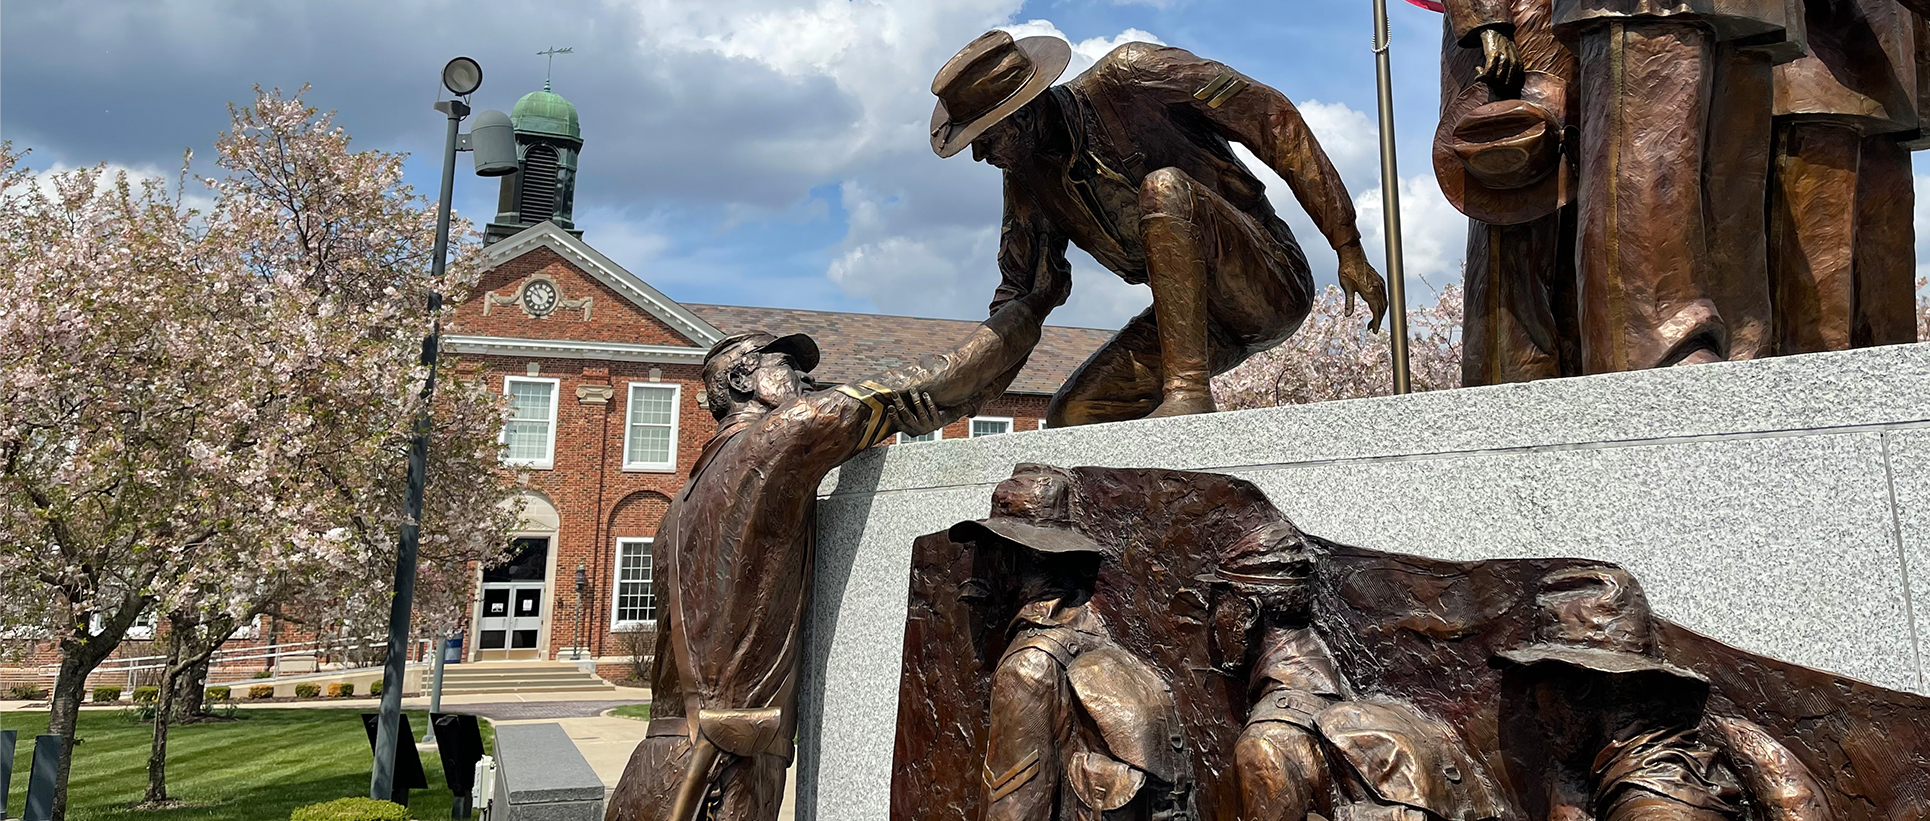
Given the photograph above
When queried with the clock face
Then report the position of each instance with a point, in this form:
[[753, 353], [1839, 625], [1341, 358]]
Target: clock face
[[539, 297]]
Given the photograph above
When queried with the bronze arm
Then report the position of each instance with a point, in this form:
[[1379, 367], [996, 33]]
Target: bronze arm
[[1267, 123]]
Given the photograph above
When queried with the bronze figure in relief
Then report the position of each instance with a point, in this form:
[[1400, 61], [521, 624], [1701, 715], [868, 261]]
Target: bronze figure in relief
[[1130, 160], [735, 550], [1316, 680], [1079, 727]]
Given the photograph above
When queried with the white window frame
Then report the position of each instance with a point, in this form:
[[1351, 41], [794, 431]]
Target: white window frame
[[549, 447], [618, 625], [971, 430], [936, 436], [676, 414]]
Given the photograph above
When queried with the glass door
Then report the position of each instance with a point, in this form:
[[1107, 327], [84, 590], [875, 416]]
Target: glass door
[[513, 611]]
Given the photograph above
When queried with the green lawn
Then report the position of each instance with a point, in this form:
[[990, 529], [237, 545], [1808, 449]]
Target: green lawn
[[259, 767], [640, 712]]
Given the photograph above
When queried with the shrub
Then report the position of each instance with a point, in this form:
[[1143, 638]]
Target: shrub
[[351, 809], [308, 690], [264, 674], [25, 692], [147, 695], [375, 688], [106, 695], [341, 689], [220, 692], [261, 691]]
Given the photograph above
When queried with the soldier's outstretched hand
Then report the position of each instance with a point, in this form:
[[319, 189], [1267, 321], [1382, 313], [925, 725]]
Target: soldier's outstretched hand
[[914, 413], [1357, 276]]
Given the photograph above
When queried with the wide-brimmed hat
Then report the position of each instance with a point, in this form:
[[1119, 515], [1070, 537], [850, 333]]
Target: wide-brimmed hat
[[989, 79], [802, 348], [1500, 160], [1595, 618], [1032, 509], [1273, 553]]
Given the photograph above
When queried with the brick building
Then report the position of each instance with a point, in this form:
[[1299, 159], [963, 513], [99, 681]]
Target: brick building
[[602, 372]]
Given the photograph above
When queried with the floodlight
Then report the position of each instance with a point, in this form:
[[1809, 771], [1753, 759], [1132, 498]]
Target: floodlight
[[462, 76]]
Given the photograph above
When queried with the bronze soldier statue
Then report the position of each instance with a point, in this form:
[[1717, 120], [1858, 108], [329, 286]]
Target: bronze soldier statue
[[1843, 245], [736, 550], [1503, 157], [1628, 734], [1081, 729], [1392, 762], [1131, 161], [1673, 102]]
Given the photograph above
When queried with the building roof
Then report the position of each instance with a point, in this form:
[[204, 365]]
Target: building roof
[[856, 345]]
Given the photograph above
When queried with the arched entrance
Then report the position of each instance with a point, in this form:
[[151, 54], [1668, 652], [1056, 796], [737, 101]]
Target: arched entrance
[[513, 598]]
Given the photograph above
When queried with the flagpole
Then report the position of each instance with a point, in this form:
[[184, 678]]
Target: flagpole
[[1390, 186]]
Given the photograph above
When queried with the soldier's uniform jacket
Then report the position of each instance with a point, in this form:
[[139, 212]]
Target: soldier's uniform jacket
[[1403, 757], [1084, 749], [1862, 66], [1140, 109], [1673, 763], [1294, 679]]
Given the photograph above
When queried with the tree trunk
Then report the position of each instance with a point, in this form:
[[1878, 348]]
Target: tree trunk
[[191, 690], [157, 751], [69, 689]]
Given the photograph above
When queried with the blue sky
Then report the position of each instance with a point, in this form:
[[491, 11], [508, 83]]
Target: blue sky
[[754, 152]]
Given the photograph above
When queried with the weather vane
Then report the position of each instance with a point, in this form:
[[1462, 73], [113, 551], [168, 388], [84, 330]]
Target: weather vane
[[551, 54]]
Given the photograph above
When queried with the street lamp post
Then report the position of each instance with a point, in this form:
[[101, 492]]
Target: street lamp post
[[462, 76]]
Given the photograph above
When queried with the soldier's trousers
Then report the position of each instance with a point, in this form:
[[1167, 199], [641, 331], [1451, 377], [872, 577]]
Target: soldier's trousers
[[1842, 243], [1672, 176], [1520, 307]]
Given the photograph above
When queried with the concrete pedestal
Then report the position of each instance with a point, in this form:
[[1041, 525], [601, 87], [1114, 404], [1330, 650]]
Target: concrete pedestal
[[1782, 506]]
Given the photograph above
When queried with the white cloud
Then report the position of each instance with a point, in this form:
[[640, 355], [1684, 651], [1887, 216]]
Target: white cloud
[[1084, 52], [1433, 234]]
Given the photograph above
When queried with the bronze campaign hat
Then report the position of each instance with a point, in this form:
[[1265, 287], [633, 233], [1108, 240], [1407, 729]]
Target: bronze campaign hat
[[1032, 509], [802, 348], [1595, 618], [987, 80], [1500, 160]]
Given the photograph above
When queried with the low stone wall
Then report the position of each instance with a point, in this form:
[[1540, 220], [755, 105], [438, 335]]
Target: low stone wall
[[1782, 506]]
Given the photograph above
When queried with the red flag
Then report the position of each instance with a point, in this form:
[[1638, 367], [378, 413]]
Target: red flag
[[1430, 5]]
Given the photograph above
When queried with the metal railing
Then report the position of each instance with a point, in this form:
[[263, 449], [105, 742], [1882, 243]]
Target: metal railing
[[271, 655]]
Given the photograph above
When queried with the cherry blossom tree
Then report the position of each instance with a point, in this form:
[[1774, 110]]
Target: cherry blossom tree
[[1334, 356], [205, 414]]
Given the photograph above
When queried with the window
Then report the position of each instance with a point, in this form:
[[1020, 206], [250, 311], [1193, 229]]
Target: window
[[529, 437], [650, 434], [990, 425], [636, 598], [929, 437]]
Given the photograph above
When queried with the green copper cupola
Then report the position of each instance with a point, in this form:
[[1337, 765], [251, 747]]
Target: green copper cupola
[[548, 140]]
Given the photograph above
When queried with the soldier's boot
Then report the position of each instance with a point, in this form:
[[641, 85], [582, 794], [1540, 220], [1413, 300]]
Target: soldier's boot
[[1177, 271]]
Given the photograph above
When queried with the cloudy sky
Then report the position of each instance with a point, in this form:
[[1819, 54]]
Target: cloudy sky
[[753, 152]]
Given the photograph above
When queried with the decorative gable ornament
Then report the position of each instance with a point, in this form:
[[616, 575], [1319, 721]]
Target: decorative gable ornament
[[538, 296]]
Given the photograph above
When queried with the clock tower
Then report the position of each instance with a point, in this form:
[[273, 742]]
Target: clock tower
[[548, 140]]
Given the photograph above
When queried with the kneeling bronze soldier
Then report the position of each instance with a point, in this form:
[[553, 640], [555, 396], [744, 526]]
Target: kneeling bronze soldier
[[1081, 729]]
